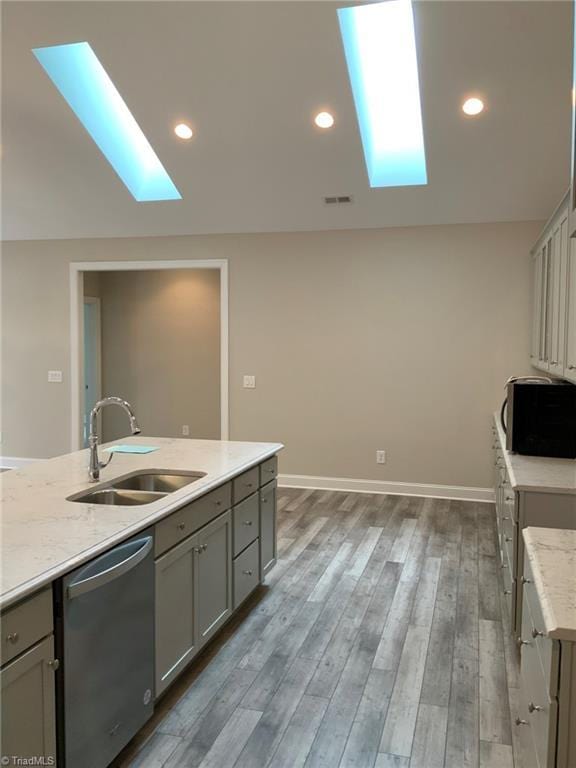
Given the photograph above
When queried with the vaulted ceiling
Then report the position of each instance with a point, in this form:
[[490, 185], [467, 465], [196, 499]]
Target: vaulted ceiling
[[249, 76]]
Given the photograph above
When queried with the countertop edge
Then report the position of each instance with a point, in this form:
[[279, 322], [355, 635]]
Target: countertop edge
[[553, 630], [27, 588]]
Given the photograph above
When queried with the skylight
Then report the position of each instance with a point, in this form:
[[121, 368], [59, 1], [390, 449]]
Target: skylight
[[84, 83], [380, 50]]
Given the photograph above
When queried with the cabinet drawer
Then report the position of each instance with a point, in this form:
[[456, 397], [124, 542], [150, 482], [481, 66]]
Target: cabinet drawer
[[509, 587], [245, 484], [246, 521], [246, 573], [538, 709], [25, 624], [268, 470], [190, 518]]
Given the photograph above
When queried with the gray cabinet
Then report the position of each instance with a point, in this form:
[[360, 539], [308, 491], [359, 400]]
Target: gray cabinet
[[214, 576], [267, 527], [175, 625], [28, 704], [214, 560]]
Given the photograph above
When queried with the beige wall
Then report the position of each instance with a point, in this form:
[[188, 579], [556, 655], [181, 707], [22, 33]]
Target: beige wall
[[399, 339], [161, 350]]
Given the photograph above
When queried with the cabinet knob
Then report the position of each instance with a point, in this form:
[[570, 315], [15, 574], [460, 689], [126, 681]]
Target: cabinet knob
[[536, 633], [249, 485], [507, 591], [505, 517], [204, 547], [509, 498], [198, 550], [534, 708], [572, 367], [247, 573], [522, 642], [218, 503], [526, 581], [181, 526], [247, 522], [54, 664], [519, 721], [504, 565], [13, 637], [507, 538], [553, 362]]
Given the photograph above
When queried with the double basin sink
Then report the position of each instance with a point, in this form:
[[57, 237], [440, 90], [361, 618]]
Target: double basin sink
[[136, 488]]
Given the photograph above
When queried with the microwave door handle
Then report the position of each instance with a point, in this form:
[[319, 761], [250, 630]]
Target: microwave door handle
[[98, 580], [502, 420]]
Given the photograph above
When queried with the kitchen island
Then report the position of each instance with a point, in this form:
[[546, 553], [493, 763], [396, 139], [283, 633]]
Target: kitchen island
[[209, 543]]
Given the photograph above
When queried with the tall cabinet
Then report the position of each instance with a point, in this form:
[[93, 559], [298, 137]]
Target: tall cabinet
[[554, 297]]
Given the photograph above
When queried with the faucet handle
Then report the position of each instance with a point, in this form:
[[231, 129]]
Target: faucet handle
[[103, 464]]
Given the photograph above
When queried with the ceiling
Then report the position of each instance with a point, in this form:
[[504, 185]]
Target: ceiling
[[249, 76]]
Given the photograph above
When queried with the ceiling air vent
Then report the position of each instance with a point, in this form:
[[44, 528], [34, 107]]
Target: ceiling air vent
[[338, 199]]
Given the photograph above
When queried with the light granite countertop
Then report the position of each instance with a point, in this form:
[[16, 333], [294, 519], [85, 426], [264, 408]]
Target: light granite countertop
[[43, 536], [534, 473], [552, 556]]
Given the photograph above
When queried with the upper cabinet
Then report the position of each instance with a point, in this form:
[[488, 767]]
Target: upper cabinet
[[551, 299]]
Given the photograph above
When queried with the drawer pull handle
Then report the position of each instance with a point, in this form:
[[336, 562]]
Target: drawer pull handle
[[536, 633], [519, 721], [534, 708], [247, 573], [13, 637], [181, 526], [247, 522], [54, 664], [572, 367]]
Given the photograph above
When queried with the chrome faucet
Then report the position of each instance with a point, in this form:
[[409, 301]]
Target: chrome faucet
[[95, 464]]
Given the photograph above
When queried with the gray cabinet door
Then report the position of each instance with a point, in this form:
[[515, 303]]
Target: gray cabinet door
[[268, 527], [176, 634], [213, 576], [28, 705]]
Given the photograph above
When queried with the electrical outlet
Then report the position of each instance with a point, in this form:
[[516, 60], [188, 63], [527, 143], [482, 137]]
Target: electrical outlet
[[55, 377], [380, 457], [249, 382], [185, 430]]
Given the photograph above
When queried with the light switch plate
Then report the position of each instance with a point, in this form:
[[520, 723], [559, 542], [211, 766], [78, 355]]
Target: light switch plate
[[55, 377], [249, 382]]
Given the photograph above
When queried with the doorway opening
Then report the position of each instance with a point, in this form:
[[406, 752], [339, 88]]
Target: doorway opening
[[155, 333]]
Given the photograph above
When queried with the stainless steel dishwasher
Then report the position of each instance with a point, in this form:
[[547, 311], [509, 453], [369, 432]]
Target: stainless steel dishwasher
[[105, 613]]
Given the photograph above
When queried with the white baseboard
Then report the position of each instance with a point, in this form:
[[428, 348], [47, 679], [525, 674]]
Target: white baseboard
[[13, 462], [457, 492]]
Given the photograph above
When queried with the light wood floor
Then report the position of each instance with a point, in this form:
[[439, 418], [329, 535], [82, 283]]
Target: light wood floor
[[378, 641]]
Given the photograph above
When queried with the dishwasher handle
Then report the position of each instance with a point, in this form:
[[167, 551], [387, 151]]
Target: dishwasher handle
[[106, 575]]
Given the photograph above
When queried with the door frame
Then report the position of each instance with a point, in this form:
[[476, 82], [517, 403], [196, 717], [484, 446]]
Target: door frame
[[77, 270], [98, 361]]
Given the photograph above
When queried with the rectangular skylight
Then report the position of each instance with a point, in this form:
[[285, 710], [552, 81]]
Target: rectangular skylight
[[84, 83], [380, 50]]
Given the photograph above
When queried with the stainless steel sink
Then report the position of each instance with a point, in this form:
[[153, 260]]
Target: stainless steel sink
[[117, 497], [157, 480], [137, 488]]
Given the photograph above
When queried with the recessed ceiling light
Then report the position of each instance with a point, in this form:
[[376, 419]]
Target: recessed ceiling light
[[473, 106], [183, 131], [324, 120]]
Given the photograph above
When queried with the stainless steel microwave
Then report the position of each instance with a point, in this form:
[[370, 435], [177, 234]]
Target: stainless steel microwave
[[539, 417]]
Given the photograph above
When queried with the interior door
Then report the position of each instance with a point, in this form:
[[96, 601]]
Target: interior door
[[92, 360]]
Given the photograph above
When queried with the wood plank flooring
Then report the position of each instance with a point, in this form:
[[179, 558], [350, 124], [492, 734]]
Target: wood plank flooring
[[378, 641]]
